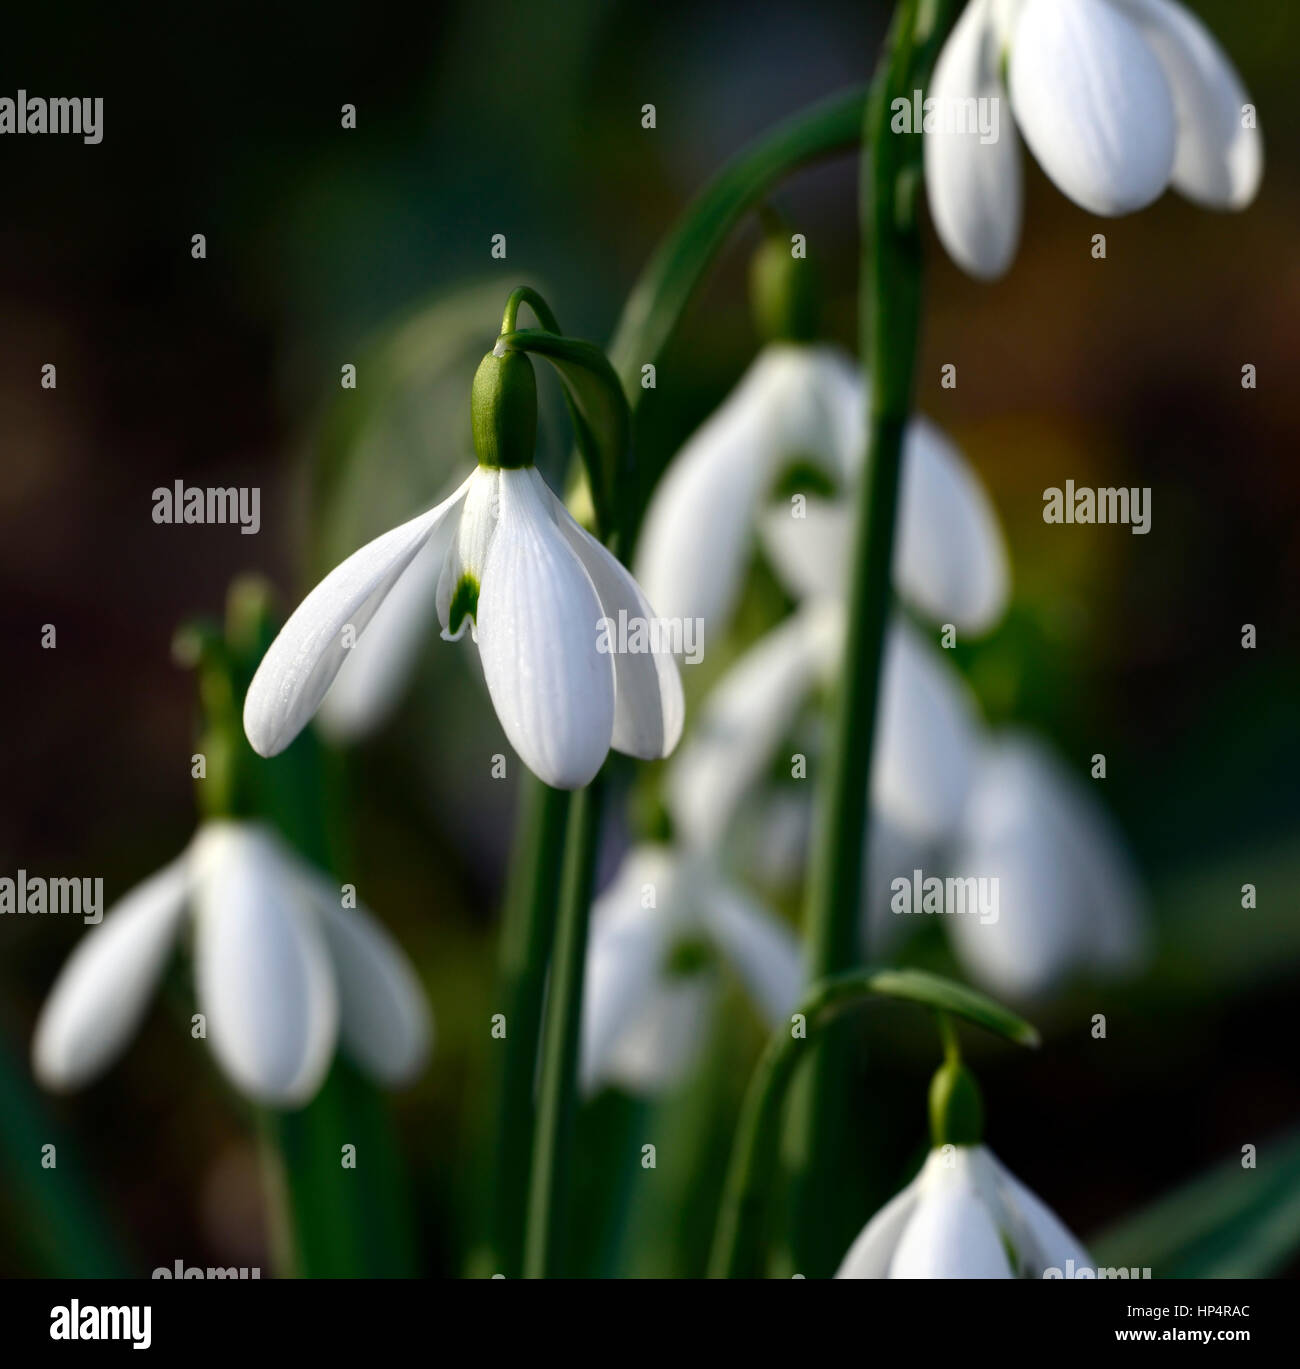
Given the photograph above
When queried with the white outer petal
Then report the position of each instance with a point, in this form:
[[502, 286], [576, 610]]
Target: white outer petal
[[950, 560], [744, 718], [368, 685], [952, 1233], [870, 1254], [974, 188], [1093, 103], [262, 966], [927, 725], [538, 624], [102, 991], [1044, 1241], [1217, 163], [649, 708], [794, 401], [809, 554], [309, 652], [625, 955], [763, 951], [1067, 893], [658, 1049], [384, 1020]]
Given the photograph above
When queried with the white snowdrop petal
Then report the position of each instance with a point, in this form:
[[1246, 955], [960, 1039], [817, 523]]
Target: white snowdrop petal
[[973, 187], [538, 627], [1093, 103], [950, 560], [384, 1020], [747, 713], [794, 402], [262, 966], [1048, 1242], [102, 992], [649, 708], [658, 1049], [952, 1233], [370, 681], [925, 747], [1068, 897], [870, 1254], [310, 649], [625, 955], [763, 951], [1218, 162]]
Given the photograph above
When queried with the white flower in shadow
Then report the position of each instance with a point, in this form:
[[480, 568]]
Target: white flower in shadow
[[282, 972]]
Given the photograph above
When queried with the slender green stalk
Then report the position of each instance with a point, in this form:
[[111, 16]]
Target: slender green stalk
[[531, 900], [544, 1247], [738, 1247], [890, 316], [659, 298]]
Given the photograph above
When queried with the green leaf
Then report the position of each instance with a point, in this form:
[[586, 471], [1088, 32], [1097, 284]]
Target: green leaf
[[597, 408], [1229, 1223]]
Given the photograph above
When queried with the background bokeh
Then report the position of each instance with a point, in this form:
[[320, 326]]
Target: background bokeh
[[524, 119]]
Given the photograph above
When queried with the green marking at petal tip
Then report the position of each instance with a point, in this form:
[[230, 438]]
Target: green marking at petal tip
[[464, 603]]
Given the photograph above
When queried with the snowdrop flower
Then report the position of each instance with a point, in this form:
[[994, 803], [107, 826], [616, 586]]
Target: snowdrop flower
[[1068, 897], [1117, 99], [282, 972], [927, 730], [964, 1216], [536, 590], [804, 406], [657, 935]]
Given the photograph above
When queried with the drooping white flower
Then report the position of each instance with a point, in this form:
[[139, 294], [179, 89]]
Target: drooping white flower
[[1067, 894], [964, 1216], [658, 936], [282, 970], [926, 739], [539, 592], [1117, 99], [804, 407]]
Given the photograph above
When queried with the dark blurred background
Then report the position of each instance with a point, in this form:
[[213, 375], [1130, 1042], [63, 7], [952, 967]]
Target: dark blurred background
[[525, 119]]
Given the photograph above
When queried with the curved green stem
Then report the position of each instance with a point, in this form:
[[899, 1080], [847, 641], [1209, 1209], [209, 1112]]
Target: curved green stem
[[890, 290], [525, 294], [738, 1246], [659, 298], [544, 1246]]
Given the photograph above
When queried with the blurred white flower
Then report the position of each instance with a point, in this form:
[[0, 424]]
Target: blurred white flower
[[282, 971], [802, 406], [658, 934], [964, 1216], [1117, 99], [535, 586], [924, 751], [1069, 898]]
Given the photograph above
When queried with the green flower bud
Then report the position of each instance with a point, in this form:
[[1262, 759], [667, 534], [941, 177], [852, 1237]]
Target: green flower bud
[[503, 406], [956, 1109], [784, 292]]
